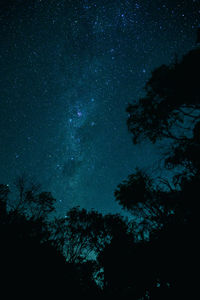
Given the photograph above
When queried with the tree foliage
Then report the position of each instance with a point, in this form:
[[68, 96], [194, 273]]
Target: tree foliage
[[171, 101], [167, 208]]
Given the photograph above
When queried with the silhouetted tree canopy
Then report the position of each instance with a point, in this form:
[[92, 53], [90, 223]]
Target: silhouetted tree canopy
[[170, 110], [31, 201], [81, 233], [29, 259], [171, 101], [53, 253], [165, 209], [146, 200]]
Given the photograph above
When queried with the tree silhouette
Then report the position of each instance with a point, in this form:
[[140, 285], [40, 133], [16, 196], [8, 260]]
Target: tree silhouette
[[82, 237], [171, 103], [166, 209], [4, 191], [31, 201], [78, 234], [29, 259], [198, 36]]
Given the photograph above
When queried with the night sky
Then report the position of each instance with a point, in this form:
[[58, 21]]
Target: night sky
[[68, 71]]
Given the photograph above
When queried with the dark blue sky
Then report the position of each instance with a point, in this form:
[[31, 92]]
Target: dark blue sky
[[68, 71]]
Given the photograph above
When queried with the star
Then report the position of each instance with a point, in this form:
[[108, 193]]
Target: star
[[79, 113]]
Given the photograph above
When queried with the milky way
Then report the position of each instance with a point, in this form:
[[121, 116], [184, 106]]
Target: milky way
[[68, 71]]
